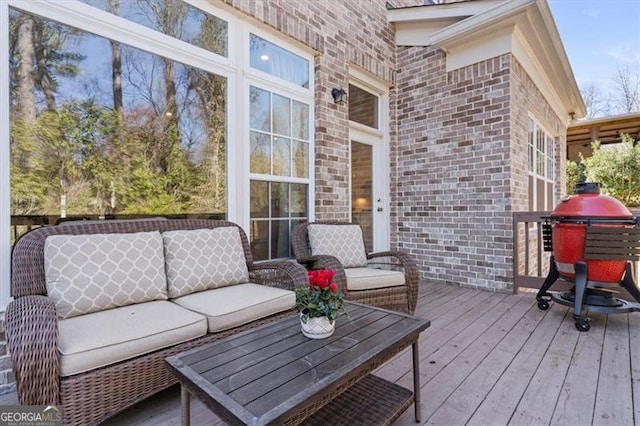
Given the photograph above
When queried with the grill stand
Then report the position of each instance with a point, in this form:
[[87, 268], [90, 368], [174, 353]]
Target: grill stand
[[588, 296]]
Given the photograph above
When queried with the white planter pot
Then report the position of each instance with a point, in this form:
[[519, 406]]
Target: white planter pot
[[317, 328]]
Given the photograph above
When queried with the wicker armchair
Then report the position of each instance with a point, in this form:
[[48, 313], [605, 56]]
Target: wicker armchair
[[401, 296], [32, 329]]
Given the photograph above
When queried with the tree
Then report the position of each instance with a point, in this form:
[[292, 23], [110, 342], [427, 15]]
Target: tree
[[617, 167], [626, 90], [113, 6], [596, 102], [623, 96]]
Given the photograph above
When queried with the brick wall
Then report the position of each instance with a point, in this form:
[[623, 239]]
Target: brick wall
[[7, 379], [461, 164], [453, 169]]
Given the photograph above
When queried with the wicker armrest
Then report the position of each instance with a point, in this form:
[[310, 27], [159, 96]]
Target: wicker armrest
[[323, 261], [282, 274], [32, 338], [411, 273]]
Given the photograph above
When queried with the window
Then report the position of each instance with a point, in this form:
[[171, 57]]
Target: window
[[174, 18], [278, 62], [541, 168], [99, 127], [279, 165]]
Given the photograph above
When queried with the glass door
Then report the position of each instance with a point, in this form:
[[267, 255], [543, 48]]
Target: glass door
[[362, 190], [369, 167]]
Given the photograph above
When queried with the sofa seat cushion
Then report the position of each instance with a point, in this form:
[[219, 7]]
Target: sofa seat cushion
[[343, 242], [370, 278], [90, 273], [229, 307], [203, 259], [101, 338]]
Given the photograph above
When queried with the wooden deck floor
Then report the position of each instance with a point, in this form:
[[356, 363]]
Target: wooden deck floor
[[495, 359]]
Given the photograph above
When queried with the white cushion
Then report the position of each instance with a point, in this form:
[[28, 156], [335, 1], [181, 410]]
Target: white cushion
[[90, 273], [202, 259], [341, 241], [95, 340], [233, 306], [370, 278]]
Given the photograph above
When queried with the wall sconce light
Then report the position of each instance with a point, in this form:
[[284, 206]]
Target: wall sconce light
[[339, 96]]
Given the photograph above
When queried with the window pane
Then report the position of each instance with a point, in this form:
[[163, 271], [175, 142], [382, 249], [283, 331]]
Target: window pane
[[279, 199], [287, 201], [281, 115], [260, 160], [267, 57], [298, 200], [300, 159], [280, 239], [99, 127], [363, 107], [259, 199], [260, 109], [174, 18], [281, 156], [300, 120], [259, 236]]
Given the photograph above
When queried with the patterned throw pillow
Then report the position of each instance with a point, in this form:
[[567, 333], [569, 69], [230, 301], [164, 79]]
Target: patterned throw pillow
[[202, 259], [90, 273], [341, 241]]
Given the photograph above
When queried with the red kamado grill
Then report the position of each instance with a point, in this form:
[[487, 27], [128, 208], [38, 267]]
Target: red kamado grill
[[593, 238]]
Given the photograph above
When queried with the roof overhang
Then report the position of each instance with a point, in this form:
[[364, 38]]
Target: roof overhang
[[471, 32], [605, 129]]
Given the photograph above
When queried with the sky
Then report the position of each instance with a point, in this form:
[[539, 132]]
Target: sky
[[599, 36]]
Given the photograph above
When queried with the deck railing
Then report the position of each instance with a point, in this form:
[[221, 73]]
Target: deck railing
[[23, 223], [530, 261]]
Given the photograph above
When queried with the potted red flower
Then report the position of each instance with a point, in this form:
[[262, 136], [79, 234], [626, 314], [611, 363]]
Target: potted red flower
[[319, 304]]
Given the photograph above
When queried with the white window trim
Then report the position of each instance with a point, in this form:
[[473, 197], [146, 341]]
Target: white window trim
[[551, 178], [5, 196]]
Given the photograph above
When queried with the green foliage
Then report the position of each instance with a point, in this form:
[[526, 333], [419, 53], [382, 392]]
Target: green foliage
[[617, 167], [575, 173]]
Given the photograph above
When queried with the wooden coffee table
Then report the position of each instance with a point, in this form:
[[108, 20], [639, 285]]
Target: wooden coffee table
[[275, 375]]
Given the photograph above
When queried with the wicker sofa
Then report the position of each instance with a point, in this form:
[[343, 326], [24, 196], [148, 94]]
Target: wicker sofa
[[91, 324], [387, 279]]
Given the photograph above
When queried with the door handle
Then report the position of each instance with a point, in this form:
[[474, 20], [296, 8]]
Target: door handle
[[379, 209]]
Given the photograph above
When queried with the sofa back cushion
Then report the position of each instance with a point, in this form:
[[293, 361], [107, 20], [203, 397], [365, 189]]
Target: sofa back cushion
[[203, 259], [344, 242], [94, 272]]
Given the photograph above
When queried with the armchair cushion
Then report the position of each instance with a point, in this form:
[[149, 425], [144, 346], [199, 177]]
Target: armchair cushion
[[90, 273], [370, 278], [102, 338], [233, 306], [203, 259], [343, 242]]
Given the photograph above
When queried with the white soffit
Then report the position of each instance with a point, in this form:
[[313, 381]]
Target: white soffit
[[524, 28]]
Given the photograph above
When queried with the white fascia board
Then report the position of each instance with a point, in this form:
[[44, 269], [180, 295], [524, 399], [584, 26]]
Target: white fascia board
[[440, 11], [487, 20]]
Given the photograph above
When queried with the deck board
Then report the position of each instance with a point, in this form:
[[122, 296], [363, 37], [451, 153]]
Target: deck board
[[505, 395], [615, 375], [491, 359], [577, 396]]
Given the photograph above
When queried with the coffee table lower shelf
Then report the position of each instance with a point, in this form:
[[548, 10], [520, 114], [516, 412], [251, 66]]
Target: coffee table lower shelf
[[372, 401]]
